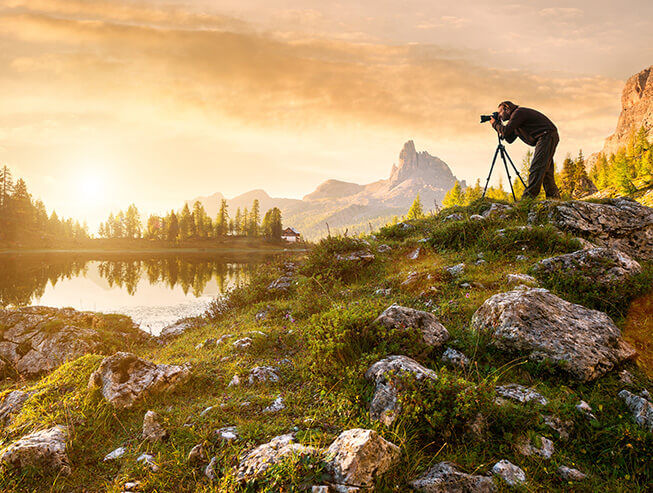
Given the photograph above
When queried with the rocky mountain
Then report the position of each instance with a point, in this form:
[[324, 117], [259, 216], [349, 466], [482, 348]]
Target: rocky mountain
[[636, 110], [345, 205]]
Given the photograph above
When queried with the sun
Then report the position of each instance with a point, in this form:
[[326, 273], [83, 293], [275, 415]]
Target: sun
[[92, 187]]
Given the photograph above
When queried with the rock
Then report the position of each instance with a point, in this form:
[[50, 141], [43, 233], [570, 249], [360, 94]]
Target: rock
[[262, 374], [361, 256], [243, 343], [148, 461], [414, 254], [403, 225], [206, 344], [570, 474], [455, 358], [520, 393], [131, 486], [153, 430], [545, 450], [282, 283], [383, 292], [434, 334], [584, 244], [509, 472], [495, 211], [228, 433], [44, 450], [276, 406], [621, 224], [36, 339], [115, 454], [257, 461], [235, 381], [562, 428], [476, 217], [209, 470], [445, 477], [383, 248], [359, 456], [197, 454], [586, 409], [384, 406], [641, 408], [11, 404], [585, 343], [520, 258], [515, 279], [626, 377], [453, 217], [176, 329], [125, 379], [456, 270], [598, 265]]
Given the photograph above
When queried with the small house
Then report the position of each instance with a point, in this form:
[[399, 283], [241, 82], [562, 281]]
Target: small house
[[290, 234]]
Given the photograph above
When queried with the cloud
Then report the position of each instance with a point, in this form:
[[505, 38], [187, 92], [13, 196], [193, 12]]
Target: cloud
[[561, 12]]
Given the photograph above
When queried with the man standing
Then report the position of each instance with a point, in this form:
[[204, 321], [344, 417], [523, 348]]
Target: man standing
[[535, 129]]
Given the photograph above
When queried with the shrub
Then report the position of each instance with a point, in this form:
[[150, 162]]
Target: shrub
[[543, 239], [322, 261]]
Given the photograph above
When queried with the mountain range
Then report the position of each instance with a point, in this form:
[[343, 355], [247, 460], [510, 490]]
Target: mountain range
[[350, 206]]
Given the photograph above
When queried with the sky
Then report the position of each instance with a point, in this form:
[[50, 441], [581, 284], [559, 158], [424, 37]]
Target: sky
[[110, 102]]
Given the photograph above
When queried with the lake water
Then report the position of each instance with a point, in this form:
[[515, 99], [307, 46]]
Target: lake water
[[154, 289]]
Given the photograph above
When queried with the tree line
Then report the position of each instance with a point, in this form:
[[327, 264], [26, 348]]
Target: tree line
[[193, 225], [23, 219]]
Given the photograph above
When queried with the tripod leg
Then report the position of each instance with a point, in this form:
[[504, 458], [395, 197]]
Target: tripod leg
[[515, 168], [490, 173], [505, 165]]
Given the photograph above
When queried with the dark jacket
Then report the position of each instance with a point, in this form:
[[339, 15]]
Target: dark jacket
[[525, 123]]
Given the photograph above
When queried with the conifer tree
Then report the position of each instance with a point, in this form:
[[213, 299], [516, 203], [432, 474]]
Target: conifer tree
[[415, 211], [454, 196]]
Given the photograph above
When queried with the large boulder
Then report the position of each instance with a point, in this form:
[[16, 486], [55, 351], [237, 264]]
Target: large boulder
[[37, 339], [445, 477], [597, 265], [385, 374], [125, 378], [434, 334], [618, 223], [641, 408], [44, 450], [359, 456], [585, 343], [255, 462]]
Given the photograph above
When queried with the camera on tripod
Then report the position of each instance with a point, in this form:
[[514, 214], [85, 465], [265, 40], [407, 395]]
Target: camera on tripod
[[486, 118]]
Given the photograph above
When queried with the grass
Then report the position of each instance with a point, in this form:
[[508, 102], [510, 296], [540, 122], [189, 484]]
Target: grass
[[322, 337]]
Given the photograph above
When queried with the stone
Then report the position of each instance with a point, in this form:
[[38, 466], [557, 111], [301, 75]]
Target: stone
[[44, 450], [545, 450], [516, 279], [570, 474], [383, 248], [562, 428], [228, 433], [385, 406], [131, 486], [434, 334], [257, 461], [520, 393], [153, 430], [476, 217], [175, 329], [115, 454], [455, 358], [148, 461], [209, 470], [197, 454], [497, 211], [641, 408], [586, 409], [262, 374], [626, 377], [235, 381], [456, 270], [597, 265], [35, 339], [11, 404], [282, 283], [125, 378], [243, 343], [445, 477], [510, 473], [361, 256], [414, 255], [520, 258], [206, 344], [453, 217], [621, 224], [584, 343], [359, 456], [276, 406]]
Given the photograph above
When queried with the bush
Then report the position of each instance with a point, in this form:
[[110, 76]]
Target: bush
[[322, 260], [542, 239]]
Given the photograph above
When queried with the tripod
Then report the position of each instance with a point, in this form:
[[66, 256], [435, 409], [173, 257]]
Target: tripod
[[501, 149]]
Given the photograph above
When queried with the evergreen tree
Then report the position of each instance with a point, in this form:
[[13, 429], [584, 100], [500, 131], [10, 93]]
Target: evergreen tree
[[244, 222], [222, 220], [173, 228], [454, 196], [415, 211], [237, 222], [132, 222], [254, 219], [568, 177], [186, 224]]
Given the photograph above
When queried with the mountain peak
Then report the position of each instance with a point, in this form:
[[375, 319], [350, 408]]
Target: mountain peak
[[421, 165]]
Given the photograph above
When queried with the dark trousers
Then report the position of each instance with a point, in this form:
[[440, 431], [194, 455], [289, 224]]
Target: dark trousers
[[542, 170]]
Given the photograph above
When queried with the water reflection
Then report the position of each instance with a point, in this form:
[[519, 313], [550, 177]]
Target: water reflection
[[154, 289]]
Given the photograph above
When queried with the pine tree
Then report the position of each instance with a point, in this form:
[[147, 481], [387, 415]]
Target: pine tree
[[237, 222], [415, 211], [222, 220], [454, 196], [185, 222], [254, 219], [173, 228]]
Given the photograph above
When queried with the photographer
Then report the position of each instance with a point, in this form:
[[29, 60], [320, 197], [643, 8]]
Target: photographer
[[535, 129]]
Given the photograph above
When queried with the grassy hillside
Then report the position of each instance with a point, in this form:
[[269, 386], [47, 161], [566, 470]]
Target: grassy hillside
[[321, 336]]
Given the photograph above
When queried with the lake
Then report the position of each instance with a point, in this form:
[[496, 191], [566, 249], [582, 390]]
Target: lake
[[154, 289]]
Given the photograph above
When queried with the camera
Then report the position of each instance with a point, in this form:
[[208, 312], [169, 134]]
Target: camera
[[486, 118]]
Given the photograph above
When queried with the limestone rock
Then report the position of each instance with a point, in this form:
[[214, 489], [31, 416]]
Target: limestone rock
[[276, 406], [455, 359], [586, 409], [509, 472], [153, 430], [385, 406], [585, 343], [358, 456], [197, 454], [456, 270], [641, 408], [545, 451], [37, 339], [570, 474], [242, 343], [599, 265], [414, 255], [11, 404], [516, 279], [562, 428], [115, 454], [257, 461], [44, 450], [361, 256], [176, 329], [434, 334], [520, 393], [453, 217], [209, 470], [476, 217], [497, 210], [621, 224], [228, 433], [445, 477], [383, 248], [262, 374], [125, 378], [282, 283], [148, 461]]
